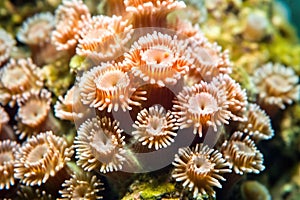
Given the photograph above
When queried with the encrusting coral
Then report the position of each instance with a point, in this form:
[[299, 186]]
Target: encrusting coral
[[135, 82]]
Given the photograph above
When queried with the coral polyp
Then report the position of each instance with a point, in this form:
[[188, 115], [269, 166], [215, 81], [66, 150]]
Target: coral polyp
[[17, 77], [200, 169], [159, 59], [8, 150], [202, 106], [242, 154], [69, 17], [7, 44], [155, 127], [103, 38], [100, 145], [41, 157], [108, 87], [277, 85]]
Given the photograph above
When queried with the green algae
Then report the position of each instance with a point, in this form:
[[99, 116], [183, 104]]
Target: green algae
[[285, 52], [57, 76], [239, 73], [150, 191], [78, 63], [150, 187]]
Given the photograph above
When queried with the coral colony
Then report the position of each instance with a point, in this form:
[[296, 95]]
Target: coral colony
[[201, 68]]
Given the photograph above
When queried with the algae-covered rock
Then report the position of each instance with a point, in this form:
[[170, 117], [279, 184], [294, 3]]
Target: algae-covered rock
[[254, 190], [78, 63], [290, 130], [57, 76], [150, 190]]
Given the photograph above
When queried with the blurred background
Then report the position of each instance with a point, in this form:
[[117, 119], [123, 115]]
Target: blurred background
[[294, 14]]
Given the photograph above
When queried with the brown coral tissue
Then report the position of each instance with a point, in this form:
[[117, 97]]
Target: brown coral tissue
[[151, 13], [4, 118]]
